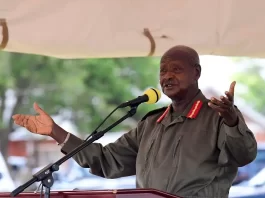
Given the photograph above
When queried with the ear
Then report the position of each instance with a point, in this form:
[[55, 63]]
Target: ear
[[197, 71]]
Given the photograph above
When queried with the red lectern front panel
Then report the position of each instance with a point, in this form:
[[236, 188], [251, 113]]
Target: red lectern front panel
[[132, 193]]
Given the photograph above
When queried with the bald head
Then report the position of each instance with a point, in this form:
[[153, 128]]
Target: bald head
[[182, 53]]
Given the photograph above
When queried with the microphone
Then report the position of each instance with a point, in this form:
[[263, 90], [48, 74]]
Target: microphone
[[150, 96]]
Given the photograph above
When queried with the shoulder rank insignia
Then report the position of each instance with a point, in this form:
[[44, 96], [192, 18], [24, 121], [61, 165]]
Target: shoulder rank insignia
[[193, 112]]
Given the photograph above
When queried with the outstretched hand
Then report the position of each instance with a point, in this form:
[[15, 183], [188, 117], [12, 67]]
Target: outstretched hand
[[40, 124], [225, 106]]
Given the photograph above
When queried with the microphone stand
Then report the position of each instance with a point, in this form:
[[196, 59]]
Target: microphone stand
[[45, 175]]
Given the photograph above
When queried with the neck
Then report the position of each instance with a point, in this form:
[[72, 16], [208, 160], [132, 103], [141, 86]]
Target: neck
[[179, 104]]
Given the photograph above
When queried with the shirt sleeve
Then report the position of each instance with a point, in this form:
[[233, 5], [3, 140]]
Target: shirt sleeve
[[66, 139], [237, 144], [117, 159]]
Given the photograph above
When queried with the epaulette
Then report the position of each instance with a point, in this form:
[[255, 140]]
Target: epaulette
[[154, 112]]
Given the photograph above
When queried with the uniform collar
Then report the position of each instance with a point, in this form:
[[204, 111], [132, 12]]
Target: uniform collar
[[191, 111]]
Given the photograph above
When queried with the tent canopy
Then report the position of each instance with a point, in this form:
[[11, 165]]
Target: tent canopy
[[127, 28]]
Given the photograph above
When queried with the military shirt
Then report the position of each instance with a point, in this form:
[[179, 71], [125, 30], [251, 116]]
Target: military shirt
[[192, 155]]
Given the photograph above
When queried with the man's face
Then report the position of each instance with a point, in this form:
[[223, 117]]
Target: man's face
[[176, 76]]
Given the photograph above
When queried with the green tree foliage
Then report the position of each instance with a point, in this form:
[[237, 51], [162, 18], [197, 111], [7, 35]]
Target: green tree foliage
[[84, 91], [251, 83]]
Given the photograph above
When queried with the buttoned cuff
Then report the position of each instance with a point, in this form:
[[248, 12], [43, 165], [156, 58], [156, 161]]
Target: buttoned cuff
[[71, 144], [236, 131]]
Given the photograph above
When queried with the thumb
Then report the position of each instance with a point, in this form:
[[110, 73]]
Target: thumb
[[38, 109]]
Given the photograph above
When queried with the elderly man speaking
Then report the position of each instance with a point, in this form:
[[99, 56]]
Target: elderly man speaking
[[192, 148]]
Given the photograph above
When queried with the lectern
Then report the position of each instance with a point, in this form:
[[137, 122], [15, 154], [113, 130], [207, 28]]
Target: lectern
[[132, 193]]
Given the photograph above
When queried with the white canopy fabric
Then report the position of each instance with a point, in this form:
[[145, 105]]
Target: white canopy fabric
[[129, 28]]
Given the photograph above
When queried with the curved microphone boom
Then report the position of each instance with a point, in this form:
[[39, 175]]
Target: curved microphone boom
[[150, 96]]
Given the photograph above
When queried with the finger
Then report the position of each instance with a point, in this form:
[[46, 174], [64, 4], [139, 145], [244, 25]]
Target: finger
[[226, 101], [232, 88], [16, 116], [229, 96], [215, 107], [218, 103], [25, 120], [20, 119], [38, 109], [18, 122]]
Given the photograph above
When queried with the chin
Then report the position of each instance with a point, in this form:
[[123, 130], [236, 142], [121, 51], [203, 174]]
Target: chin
[[171, 94]]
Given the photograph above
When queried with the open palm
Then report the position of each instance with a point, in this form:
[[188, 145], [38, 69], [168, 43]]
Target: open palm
[[40, 124]]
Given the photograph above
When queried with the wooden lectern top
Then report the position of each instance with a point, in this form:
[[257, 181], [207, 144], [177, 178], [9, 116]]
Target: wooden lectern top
[[130, 193]]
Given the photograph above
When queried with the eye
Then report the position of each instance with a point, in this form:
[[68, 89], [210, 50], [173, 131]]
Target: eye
[[177, 69], [163, 70]]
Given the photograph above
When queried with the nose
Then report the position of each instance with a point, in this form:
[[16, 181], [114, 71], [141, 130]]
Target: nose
[[168, 75]]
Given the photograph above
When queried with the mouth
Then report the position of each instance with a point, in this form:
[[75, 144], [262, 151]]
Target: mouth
[[169, 86]]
